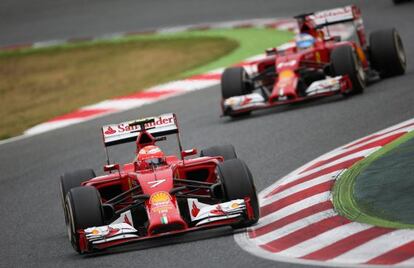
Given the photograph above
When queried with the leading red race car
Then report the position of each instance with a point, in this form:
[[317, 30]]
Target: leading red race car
[[315, 64], [156, 195]]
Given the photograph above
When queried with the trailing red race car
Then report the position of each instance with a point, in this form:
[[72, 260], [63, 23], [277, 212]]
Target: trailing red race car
[[315, 64], [156, 195]]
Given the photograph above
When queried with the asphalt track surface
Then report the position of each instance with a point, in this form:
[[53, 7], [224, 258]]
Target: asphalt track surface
[[272, 142]]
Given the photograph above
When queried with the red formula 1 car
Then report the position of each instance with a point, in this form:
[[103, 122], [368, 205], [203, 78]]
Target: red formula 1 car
[[156, 195], [315, 64]]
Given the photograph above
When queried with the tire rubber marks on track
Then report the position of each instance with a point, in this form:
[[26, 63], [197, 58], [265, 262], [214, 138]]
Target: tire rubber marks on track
[[299, 224]]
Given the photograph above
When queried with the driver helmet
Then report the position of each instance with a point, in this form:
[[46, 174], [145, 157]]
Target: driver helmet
[[151, 155], [304, 41]]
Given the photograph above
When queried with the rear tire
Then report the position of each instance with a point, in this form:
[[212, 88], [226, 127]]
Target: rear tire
[[73, 179], [344, 61], [387, 53], [84, 210], [238, 183], [226, 151], [234, 82], [399, 1]]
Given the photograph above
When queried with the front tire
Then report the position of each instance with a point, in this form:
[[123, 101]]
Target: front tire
[[84, 210], [344, 61], [387, 53], [73, 179], [234, 82], [238, 183]]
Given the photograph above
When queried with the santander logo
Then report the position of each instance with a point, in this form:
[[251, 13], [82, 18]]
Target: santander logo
[[334, 13], [126, 128], [110, 131], [246, 100], [195, 210], [126, 220]]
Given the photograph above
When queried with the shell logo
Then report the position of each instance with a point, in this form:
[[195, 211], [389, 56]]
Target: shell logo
[[234, 205], [286, 74], [159, 197]]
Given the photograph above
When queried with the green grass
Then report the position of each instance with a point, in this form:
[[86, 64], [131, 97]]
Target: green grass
[[37, 84], [343, 191], [251, 42]]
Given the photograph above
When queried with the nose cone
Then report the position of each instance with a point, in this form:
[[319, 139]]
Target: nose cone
[[285, 86], [164, 214]]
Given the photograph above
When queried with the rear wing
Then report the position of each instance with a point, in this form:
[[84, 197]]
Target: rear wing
[[128, 131], [332, 16], [322, 19]]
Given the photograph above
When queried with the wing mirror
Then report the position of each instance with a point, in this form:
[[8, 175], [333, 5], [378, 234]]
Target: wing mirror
[[111, 168], [189, 152], [271, 51]]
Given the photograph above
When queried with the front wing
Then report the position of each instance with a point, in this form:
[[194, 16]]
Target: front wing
[[203, 216], [255, 101]]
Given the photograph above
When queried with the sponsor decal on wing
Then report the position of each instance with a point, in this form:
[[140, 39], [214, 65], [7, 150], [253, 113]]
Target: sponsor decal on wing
[[333, 15], [326, 85], [204, 213], [194, 210], [245, 101], [125, 217], [111, 232], [109, 131], [118, 132]]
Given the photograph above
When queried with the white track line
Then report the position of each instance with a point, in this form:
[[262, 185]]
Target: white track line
[[324, 239], [292, 208], [292, 227], [300, 175], [381, 244], [119, 104], [300, 187]]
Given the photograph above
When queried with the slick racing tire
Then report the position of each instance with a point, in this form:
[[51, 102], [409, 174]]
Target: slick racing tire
[[234, 82], [226, 151], [399, 1], [344, 61], [84, 210], [238, 183], [73, 179], [387, 53]]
